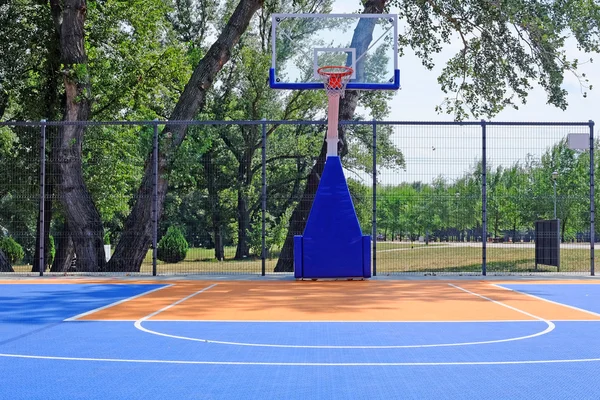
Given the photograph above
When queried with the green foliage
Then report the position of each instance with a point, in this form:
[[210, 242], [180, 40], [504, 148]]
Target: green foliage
[[7, 138], [362, 200], [276, 228], [113, 160], [50, 251], [28, 63], [505, 48], [12, 249], [517, 196], [172, 247], [137, 67]]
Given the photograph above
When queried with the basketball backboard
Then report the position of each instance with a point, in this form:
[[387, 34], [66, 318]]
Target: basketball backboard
[[302, 43]]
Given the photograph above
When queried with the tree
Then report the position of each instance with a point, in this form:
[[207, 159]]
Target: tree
[[571, 185], [496, 197], [252, 98], [428, 217], [243, 92], [80, 212], [506, 46], [200, 190], [29, 90], [514, 205], [467, 191], [137, 235], [396, 210]]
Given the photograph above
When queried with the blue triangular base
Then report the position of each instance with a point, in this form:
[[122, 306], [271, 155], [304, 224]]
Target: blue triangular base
[[333, 242]]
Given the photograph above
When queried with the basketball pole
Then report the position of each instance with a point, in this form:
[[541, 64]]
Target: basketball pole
[[333, 108]]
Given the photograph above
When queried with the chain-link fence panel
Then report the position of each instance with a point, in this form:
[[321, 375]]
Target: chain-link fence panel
[[227, 197], [535, 175], [429, 204], [294, 163], [19, 197]]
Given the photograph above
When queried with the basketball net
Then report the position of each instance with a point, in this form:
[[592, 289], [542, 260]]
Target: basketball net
[[335, 78]]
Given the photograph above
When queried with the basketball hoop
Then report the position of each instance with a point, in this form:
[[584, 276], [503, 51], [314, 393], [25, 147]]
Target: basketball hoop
[[335, 78]]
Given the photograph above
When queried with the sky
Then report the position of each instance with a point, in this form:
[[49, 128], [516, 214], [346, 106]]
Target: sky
[[451, 151]]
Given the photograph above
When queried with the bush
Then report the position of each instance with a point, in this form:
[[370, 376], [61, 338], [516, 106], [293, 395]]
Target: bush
[[172, 247], [12, 250]]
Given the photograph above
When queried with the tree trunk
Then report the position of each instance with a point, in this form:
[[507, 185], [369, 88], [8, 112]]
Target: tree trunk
[[285, 263], [137, 235], [213, 199], [65, 252], [496, 223], [218, 238], [3, 102], [243, 213], [242, 249], [80, 212], [4, 263]]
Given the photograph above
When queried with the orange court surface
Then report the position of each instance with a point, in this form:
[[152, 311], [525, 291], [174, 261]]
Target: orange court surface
[[385, 300]]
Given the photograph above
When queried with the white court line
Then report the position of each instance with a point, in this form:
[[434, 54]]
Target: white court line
[[249, 321], [303, 364], [114, 304], [138, 323], [547, 300], [412, 248], [551, 326], [499, 303]]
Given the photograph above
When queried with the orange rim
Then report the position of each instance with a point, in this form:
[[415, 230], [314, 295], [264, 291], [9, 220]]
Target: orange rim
[[347, 71]]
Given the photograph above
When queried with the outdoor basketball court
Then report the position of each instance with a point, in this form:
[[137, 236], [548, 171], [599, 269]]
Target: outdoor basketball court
[[281, 338], [284, 339]]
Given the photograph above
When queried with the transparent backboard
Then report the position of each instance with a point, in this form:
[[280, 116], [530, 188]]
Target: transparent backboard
[[302, 43]]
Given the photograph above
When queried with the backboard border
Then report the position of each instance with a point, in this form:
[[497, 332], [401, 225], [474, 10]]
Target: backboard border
[[395, 85]]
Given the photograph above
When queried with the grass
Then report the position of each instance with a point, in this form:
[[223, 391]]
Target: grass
[[504, 259], [392, 258]]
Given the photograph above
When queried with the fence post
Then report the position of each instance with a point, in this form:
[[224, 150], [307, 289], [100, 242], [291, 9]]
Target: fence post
[[42, 205], [154, 196], [483, 199], [374, 213], [592, 204], [263, 256]]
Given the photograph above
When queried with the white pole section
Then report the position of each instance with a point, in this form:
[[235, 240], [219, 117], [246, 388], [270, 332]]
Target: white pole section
[[332, 124]]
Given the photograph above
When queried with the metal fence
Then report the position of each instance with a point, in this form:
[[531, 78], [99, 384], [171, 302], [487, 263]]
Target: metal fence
[[437, 197]]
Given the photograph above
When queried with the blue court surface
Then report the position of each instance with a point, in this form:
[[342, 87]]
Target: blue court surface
[[48, 352]]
